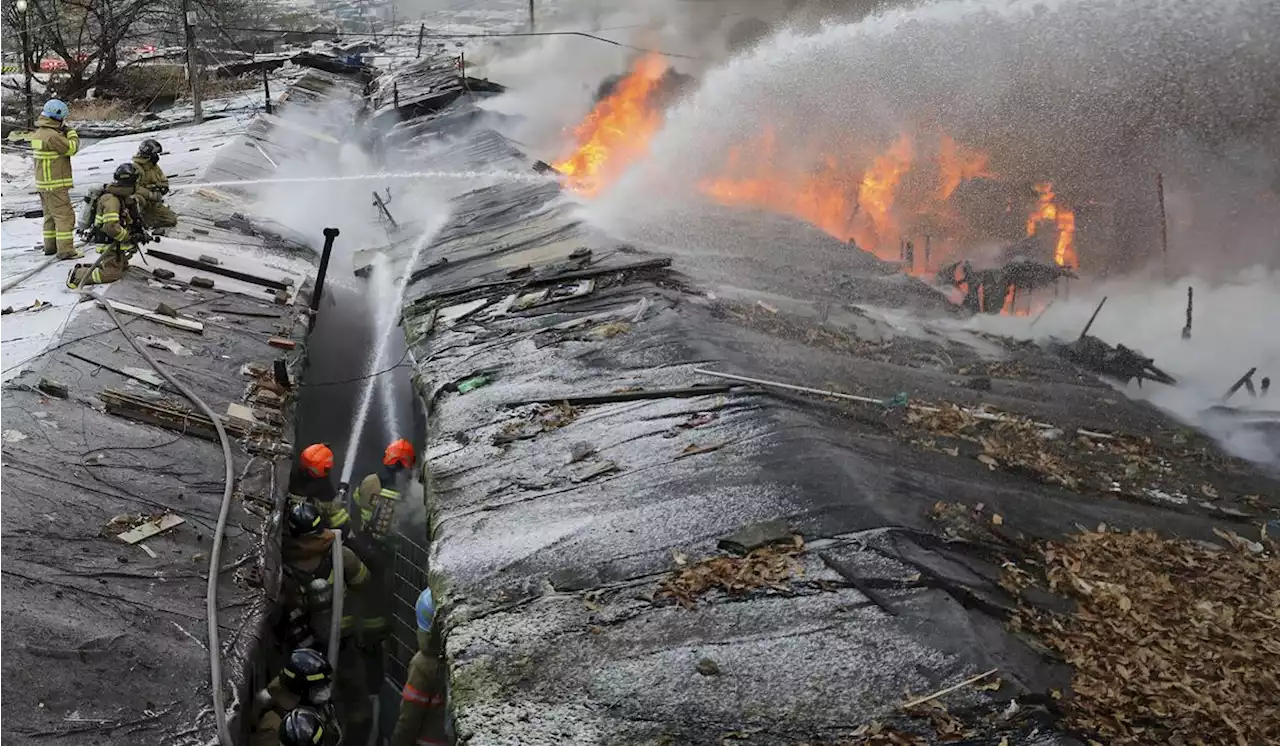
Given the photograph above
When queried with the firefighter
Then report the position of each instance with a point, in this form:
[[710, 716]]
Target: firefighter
[[116, 230], [306, 679], [52, 145], [376, 495], [153, 185], [310, 480], [308, 558], [373, 542], [421, 721], [307, 726]]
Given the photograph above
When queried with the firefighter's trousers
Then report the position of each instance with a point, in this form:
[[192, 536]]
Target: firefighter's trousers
[[59, 222]]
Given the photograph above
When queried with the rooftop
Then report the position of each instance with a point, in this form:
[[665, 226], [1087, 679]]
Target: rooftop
[[579, 475], [96, 444]]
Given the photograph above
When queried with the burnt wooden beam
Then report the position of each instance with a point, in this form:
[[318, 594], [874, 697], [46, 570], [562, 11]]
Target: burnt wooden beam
[[523, 282], [167, 415]]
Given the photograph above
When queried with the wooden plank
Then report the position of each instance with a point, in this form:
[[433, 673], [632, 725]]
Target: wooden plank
[[151, 528], [218, 269], [175, 322], [163, 414]]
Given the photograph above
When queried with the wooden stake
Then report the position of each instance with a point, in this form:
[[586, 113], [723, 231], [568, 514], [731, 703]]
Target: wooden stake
[[1186, 330], [948, 690], [1089, 325]]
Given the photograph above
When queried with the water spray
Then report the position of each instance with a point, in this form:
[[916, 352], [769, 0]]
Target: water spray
[[387, 319], [516, 176]]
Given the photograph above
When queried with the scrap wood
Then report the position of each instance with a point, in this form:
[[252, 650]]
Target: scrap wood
[[178, 323], [943, 692], [693, 449], [1170, 640], [151, 528], [769, 566]]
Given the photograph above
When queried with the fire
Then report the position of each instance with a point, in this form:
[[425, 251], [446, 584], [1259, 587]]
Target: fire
[[822, 196], [617, 131], [876, 191], [1048, 211], [957, 164], [830, 194]]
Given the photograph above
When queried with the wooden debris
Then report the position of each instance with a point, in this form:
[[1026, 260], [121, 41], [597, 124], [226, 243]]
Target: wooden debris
[[177, 323], [151, 528], [282, 343], [163, 413], [52, 388], [943, 692], [198, 281]]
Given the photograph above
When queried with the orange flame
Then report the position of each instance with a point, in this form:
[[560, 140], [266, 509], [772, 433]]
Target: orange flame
[[1048, 211], [876, 192], [617, 131], [957, 164]]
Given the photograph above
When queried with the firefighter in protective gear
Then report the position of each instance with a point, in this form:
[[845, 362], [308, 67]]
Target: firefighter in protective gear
[[308, 558], [306, 679], [52, 145], [153, 185], [115, 228], [374, 542], [307, 726], [310, 480], [422, 705]]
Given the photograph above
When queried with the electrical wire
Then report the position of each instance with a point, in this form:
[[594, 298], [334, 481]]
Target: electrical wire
[[483, 35], [215, 553]]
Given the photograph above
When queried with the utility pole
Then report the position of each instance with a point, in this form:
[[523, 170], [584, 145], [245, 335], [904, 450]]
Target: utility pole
[[531, 26], [25, 33], [266, 89], [193, 64]]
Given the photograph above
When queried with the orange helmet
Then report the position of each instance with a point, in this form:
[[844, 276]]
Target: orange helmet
[[399, 453], [317, 460]]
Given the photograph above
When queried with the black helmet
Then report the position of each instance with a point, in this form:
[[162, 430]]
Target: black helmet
[[126, 174], [151, 149], [308, 675], [302, 727], [304, 519]]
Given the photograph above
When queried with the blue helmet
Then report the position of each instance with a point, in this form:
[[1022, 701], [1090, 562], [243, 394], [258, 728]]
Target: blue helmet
[[55, 109], [426, 608]]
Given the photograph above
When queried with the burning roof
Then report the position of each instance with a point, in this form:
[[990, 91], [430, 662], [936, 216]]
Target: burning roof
[[882, 197]]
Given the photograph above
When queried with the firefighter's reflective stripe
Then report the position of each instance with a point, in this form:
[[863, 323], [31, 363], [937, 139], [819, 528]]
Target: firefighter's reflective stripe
[[373, 623], [339, 517], [422, 699], [106, 217], [390, 494]]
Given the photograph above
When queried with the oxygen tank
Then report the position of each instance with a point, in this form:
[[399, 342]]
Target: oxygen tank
[[87, 210]]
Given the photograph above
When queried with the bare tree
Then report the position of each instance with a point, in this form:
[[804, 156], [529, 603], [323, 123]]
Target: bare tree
[[90, 35]]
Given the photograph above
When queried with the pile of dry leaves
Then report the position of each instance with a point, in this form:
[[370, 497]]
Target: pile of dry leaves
[[1097, 463], [769, 566], [1172, 641]]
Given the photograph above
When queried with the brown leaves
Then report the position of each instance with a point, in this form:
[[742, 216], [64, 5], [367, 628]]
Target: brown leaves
[[1171, 641], [766, 567]]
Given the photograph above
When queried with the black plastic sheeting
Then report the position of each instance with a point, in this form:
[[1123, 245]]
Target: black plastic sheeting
[[549, 542]]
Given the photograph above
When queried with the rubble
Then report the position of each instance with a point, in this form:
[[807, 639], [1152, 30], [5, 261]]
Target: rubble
[[1118, 362]]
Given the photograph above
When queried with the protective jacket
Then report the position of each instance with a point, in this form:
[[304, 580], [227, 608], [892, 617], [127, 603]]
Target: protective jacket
[[153, 185], [52, 148], [311, 558], [113, 218], [422, 706]]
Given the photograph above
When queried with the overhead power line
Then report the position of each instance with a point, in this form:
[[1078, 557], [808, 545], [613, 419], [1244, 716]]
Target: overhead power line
[[486, 35]]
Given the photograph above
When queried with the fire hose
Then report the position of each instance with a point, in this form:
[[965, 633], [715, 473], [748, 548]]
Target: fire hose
[[215, 553], [339, 588]]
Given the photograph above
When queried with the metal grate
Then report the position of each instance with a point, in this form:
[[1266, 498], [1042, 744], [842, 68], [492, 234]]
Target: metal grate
[[409, 577]]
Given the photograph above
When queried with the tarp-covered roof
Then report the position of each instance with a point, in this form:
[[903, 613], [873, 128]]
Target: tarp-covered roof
[[567, 534], [104, 640]]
